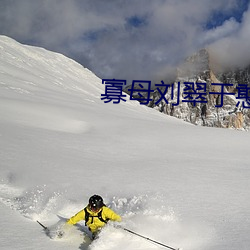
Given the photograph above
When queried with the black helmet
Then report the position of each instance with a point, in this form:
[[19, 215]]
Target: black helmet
[[95, 202]]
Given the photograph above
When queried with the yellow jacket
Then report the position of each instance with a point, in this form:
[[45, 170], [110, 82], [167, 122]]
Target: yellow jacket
[[94, 223]]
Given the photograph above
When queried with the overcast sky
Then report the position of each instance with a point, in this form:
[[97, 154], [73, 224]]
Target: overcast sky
[[131, 39]]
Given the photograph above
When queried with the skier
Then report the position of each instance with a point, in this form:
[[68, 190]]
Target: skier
[[95, 214]]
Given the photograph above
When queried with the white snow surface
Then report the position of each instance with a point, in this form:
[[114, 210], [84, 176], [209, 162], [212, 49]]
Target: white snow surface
[[182, 185]]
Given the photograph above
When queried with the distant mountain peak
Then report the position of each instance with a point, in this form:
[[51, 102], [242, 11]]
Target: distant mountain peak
[[202, 67]]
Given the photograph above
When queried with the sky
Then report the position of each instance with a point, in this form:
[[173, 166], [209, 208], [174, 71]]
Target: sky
[[131, 39]]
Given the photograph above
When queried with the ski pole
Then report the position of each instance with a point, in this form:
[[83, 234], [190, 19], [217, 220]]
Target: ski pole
[[45, 228], [146, 238]]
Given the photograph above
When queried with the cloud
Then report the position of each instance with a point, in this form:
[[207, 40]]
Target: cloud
[[226, 29], [122, 39], [233, 49]]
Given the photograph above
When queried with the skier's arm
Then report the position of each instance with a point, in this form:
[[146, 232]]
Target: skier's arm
[[110, 214], [77, 217]]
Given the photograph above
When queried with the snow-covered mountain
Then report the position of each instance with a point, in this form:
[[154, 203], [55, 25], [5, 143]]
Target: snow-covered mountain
[[182, 185]]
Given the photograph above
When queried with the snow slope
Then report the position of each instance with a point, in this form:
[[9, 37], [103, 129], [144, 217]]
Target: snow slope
[[176, 183]]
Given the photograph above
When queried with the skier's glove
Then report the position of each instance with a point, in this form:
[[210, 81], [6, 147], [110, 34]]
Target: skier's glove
[[118, 226], [60, 233]]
